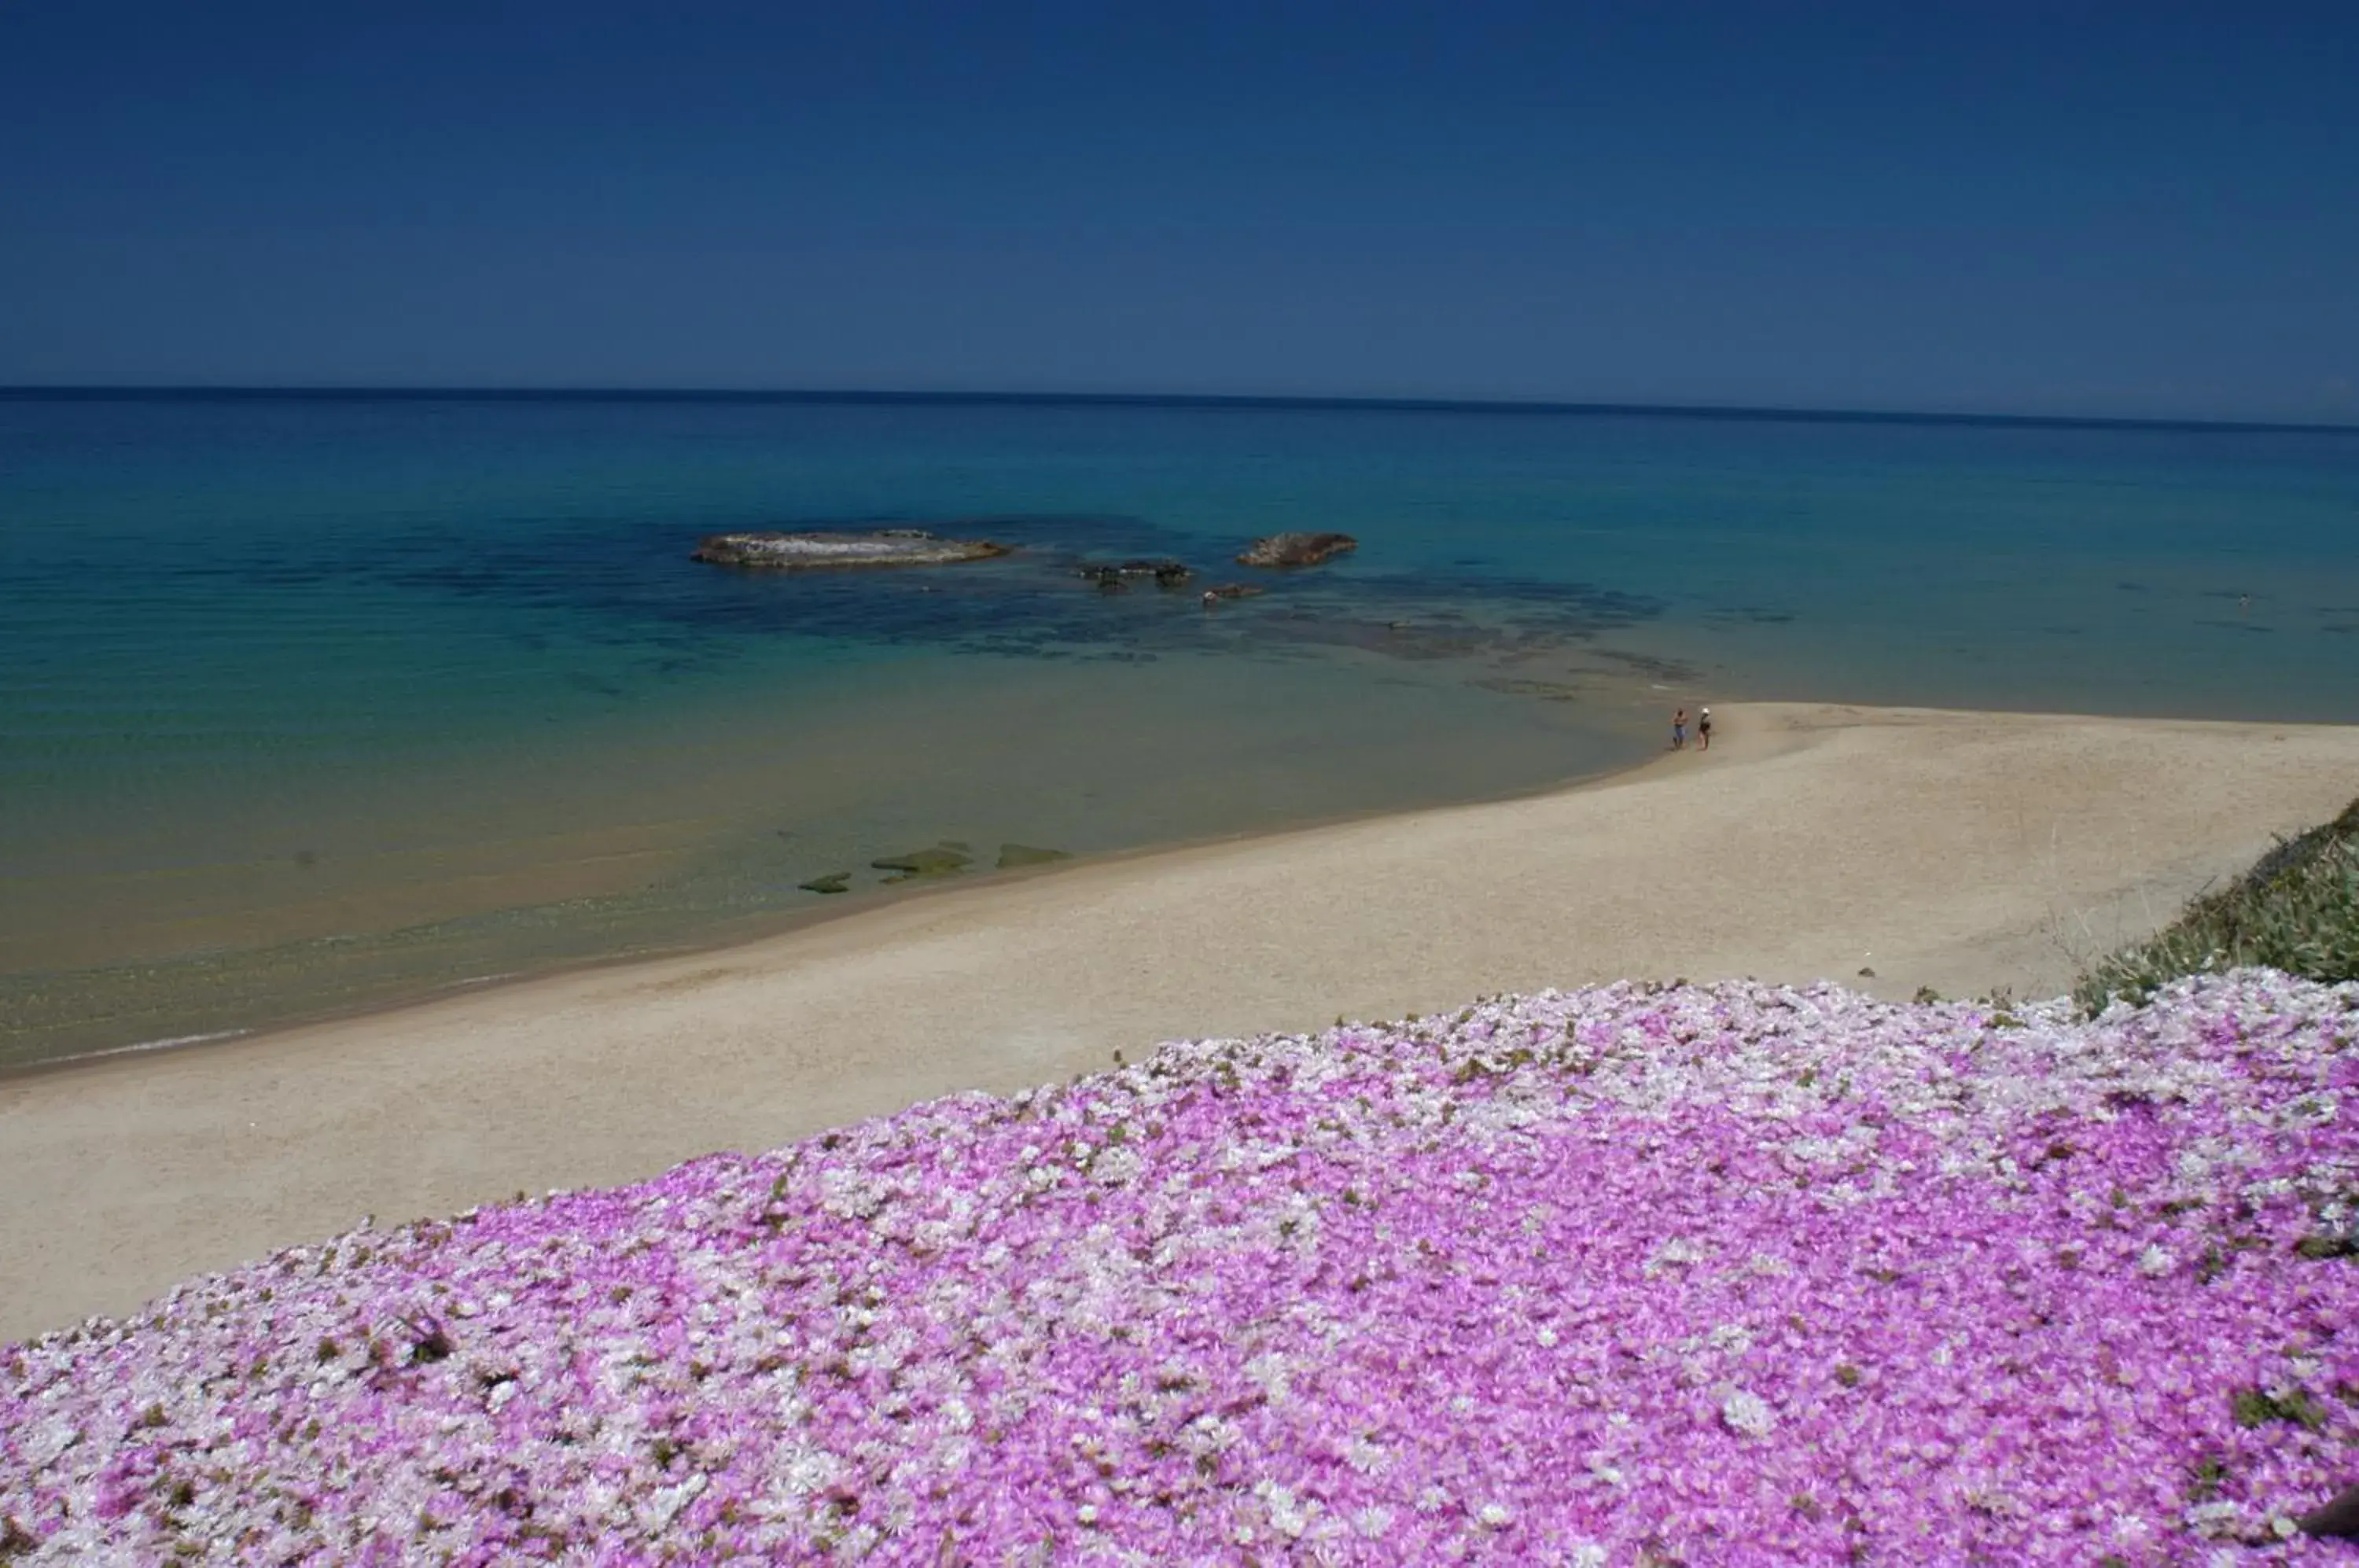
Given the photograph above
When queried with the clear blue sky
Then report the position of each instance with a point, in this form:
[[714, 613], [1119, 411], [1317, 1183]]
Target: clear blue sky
[[2066, 207]]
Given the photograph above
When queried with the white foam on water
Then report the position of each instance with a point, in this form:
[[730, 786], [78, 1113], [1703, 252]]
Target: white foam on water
[[167, 1043]]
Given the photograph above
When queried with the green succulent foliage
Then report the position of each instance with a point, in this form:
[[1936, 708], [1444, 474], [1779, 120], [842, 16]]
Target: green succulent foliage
[[2296, 909]]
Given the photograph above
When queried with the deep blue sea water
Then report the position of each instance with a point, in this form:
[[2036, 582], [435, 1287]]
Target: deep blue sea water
[[316, 703]]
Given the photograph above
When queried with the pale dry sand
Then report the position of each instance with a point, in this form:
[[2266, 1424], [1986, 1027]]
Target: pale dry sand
[[1961, 851]]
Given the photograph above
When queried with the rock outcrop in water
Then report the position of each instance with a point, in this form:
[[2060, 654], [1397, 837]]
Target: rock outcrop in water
[[1296, 550], [838, 548]]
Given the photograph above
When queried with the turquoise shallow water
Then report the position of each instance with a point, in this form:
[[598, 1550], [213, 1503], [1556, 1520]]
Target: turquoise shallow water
[[308, 703]]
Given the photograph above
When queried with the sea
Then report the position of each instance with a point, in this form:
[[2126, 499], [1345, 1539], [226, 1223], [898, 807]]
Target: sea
[[317, 702]]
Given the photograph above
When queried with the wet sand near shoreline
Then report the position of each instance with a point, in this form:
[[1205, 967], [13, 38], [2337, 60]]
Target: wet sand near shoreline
[[1966, 852]]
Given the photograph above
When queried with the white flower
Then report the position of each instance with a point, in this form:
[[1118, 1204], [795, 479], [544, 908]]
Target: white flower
[[2313, 1110], [1372, 1521], [1269, 1370], [2213, 1519], [658, 1510], [1117, 1167], [1287, 1516], [1748, 1413], [2154, 1262], [1497, 1516], [1677, 1251]]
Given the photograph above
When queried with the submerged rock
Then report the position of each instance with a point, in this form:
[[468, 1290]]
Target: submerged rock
[[1296, 550], [1115, 577], [833, 882], [1012, 856], [830, 548], [939, 861], [1233, 591]]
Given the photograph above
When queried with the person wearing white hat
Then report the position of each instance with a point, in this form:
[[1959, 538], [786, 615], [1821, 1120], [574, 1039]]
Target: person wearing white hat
[[1704, 729]]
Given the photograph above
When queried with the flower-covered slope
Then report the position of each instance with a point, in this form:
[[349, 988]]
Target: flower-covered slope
[[1626, 1276]]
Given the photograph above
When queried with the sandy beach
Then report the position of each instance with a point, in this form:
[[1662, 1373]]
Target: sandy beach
[[1966, 852]]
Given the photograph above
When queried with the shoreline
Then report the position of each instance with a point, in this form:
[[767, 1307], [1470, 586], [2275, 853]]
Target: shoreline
[[1960, 850]]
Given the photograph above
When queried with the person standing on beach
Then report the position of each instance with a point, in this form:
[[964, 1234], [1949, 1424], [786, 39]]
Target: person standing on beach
[[1703, 730], [1680, 730]]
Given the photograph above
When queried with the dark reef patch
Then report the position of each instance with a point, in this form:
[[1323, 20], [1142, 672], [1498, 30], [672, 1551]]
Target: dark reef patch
[[624, 584]]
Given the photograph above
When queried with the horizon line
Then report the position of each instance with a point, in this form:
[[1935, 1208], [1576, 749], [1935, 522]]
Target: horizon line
[[199, 392]]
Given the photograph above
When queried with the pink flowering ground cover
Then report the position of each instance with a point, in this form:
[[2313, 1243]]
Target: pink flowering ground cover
[[1626, 1276]]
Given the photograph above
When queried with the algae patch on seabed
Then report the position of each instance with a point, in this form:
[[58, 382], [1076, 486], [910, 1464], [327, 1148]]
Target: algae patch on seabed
[[940, 861], [950, 857]]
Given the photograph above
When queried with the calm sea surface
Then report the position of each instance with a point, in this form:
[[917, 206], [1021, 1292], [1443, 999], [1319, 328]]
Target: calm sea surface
[[311, 703]]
